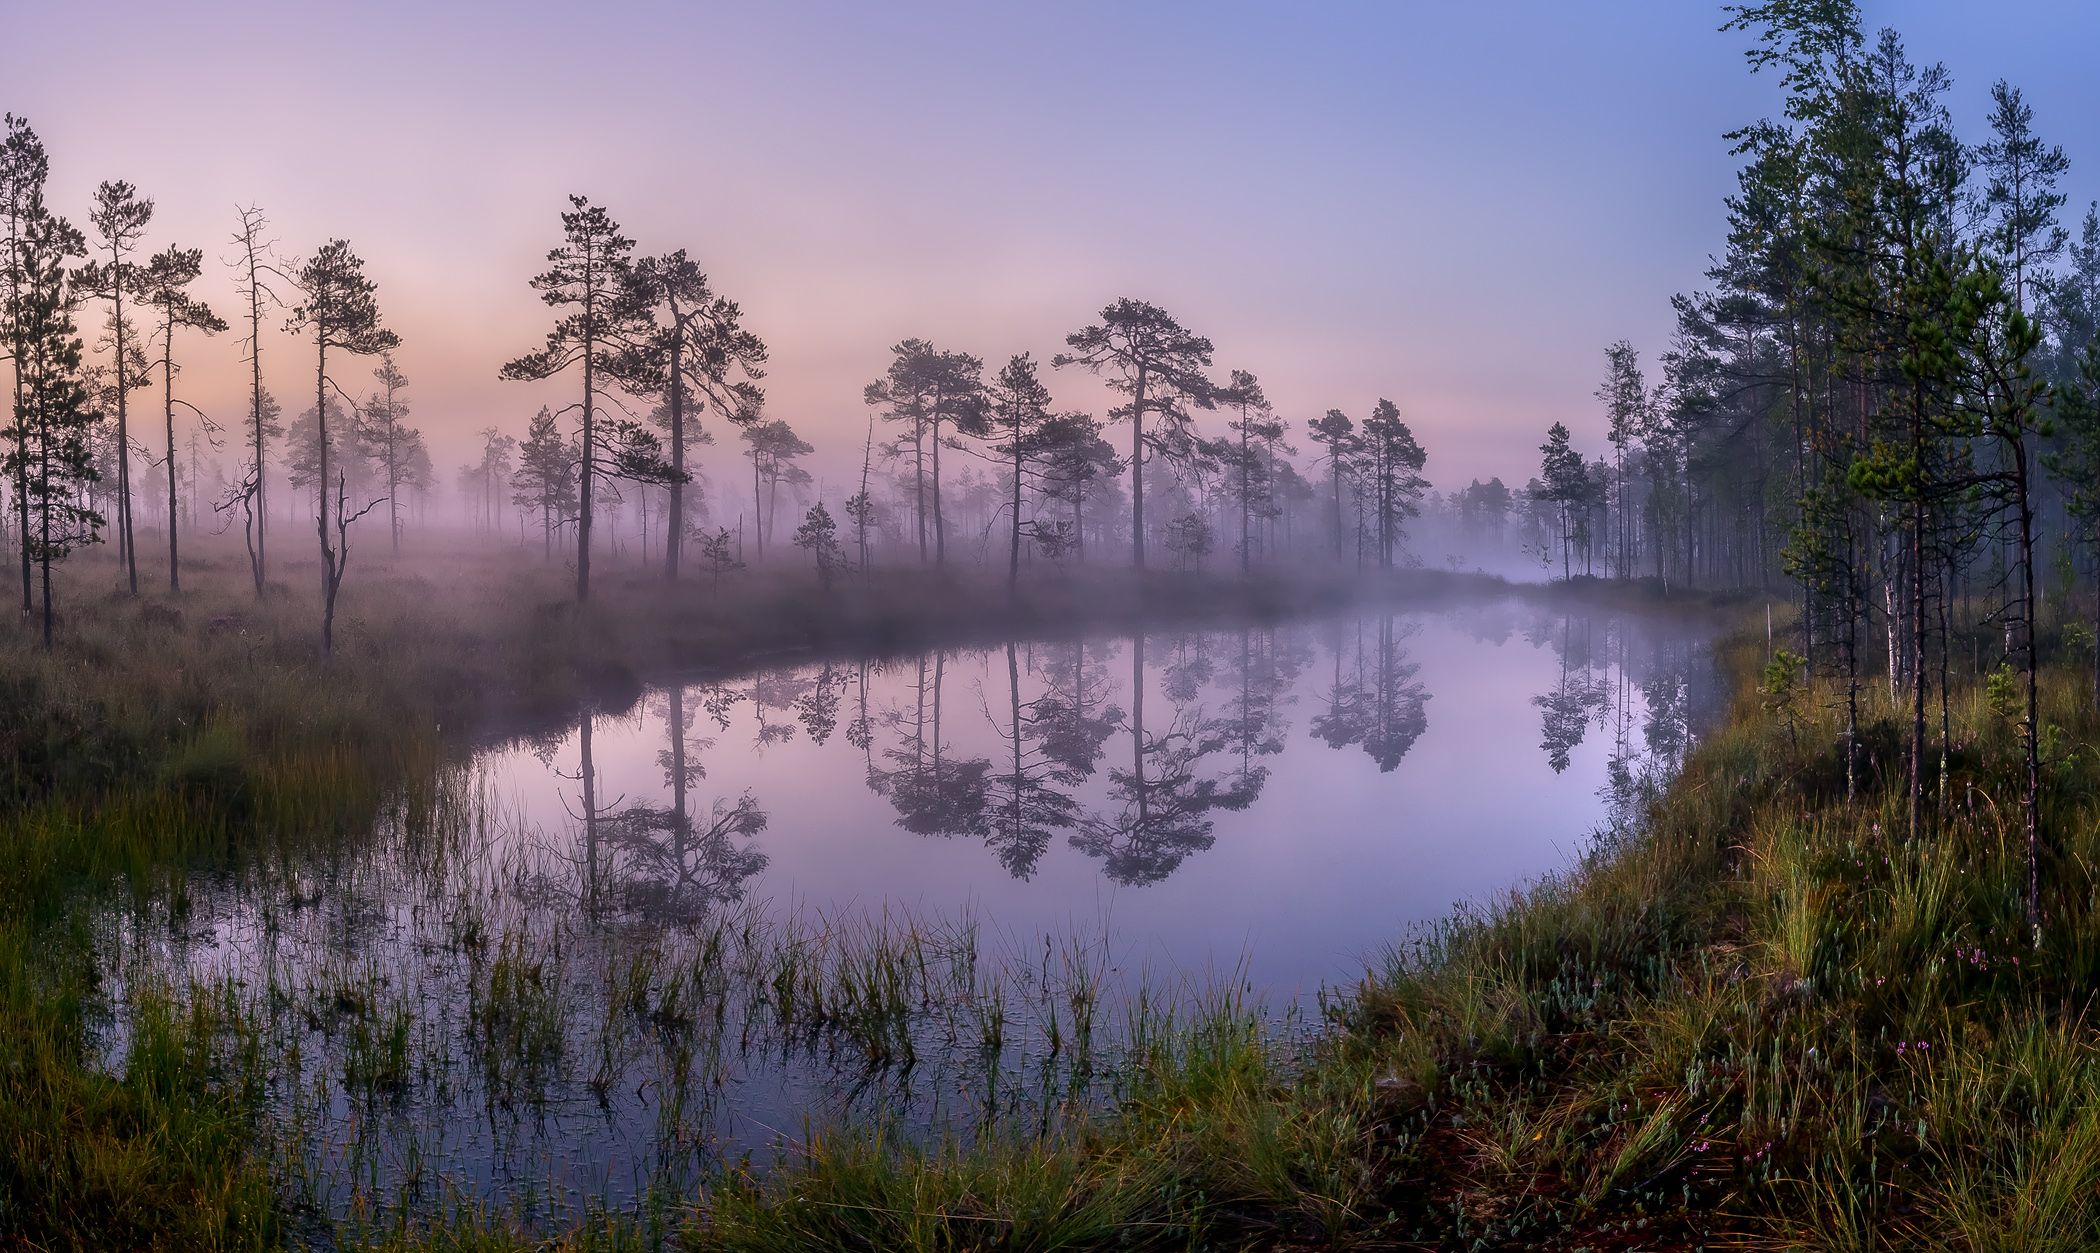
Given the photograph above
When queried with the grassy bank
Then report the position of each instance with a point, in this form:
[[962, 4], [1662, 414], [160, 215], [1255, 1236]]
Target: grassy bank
[[168, 735], [1764, 1020], [1761, 1019]]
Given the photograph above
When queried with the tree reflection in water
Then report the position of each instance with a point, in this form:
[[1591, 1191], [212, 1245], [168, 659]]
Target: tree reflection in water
[[1381, 704], [1161, 808], [660, 860], [1026, 808], [1054, 748], [933, 791]]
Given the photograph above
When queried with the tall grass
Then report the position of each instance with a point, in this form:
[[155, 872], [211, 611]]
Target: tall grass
[[1756, 1017]]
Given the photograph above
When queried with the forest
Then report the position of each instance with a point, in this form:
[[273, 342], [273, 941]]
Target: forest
[[1180, 820]]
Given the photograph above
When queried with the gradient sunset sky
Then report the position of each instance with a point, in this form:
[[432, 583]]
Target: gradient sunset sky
[[1453, 205]]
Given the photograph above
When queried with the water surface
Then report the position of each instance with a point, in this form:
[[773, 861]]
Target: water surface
[[924, 889]]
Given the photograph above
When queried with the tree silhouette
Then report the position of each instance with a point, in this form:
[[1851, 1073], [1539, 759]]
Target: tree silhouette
[[256, 268], [1146, 355], [1393, 461], [119, 216], [1073, 719], [49, 434], [1074, 457], [697, 354], [925, 390], [774, 449], [1020, 408], [1337, 433], [545, 480], [671, 864], [818, 536], [1250, 459], [163, 285], [1396, 708], [933, 792], [340, 308], [590, 276], [389, 437], [23, 168], [1565, 712]]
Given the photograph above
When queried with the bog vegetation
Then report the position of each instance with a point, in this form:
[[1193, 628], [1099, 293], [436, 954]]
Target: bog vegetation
[[1830, 990]]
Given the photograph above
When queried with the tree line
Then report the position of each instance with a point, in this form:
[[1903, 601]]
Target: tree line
[[655, 355], [1886, 398]]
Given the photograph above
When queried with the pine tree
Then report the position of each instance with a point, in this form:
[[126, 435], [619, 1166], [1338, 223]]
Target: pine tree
[[590, 275], [924, 390], [1337, 433], [1144, 354], [818, 536], [545, 480], [49, 449], [1020, 407], [23, 168], [774, 448], [698, 354], [1566, 483], [119, 217], [164, 285], [1624, 394], [388, 436], [339, 308], [1395, 464]]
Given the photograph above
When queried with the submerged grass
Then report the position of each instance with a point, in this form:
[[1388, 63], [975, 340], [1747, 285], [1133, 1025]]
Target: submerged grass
[[1760, 1018], [170, 736]]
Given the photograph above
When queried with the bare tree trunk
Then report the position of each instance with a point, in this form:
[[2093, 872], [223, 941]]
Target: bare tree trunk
[[167, 377], [1013, 557], [2033, 720], [126, 544], [261, 564], [918, 482], [674, 524], [590, 397], [1137, 472], [940, 523]]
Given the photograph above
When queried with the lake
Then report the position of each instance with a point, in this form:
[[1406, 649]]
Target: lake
[[928, 893]]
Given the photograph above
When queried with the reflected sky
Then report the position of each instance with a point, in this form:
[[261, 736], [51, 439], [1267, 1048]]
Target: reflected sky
[[615, 957], [1283, 800]]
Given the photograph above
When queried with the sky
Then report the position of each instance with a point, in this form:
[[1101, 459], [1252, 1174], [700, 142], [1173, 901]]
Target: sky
[[1455, 206]]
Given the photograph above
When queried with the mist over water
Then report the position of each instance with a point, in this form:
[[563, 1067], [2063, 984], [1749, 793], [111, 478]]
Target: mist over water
[[920, 892]]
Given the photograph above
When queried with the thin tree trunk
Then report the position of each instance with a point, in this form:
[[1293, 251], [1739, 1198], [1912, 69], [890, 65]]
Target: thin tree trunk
[[167, 377], [126, 544], [674, 522], [256, 402], [1013, 558], [1137, 472], [590, 397]]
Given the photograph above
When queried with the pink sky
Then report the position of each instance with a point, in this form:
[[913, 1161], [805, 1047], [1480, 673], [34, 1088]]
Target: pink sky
[[1448, 205]]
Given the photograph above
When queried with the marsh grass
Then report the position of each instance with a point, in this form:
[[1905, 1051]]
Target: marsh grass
[[1755, 1017], [171, 738]]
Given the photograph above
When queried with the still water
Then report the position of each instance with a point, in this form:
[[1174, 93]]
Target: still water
[[924, 891]]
